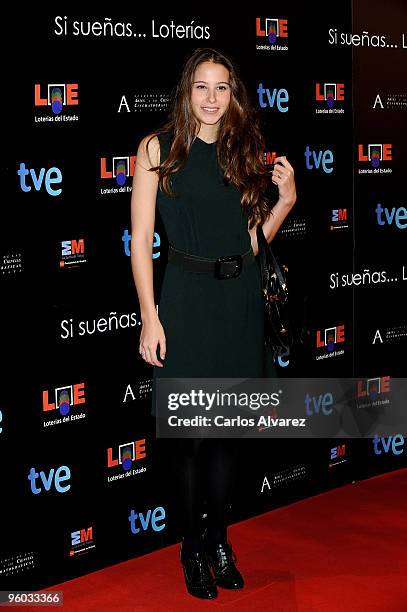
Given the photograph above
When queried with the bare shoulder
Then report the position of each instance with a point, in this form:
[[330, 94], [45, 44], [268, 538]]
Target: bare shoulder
[[149, 151]]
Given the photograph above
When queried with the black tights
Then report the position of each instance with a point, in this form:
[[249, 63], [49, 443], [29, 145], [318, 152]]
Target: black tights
[[205, 470]]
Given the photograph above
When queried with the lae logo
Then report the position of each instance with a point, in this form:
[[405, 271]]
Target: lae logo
[[271, 28], [329, 337], [56, 95], [375, 153], [63, 398], [373, 387], [329, 93], [126, 454], [119, 168]]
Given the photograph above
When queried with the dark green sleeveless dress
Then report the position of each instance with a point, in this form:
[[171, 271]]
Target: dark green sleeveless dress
[[213, 327]]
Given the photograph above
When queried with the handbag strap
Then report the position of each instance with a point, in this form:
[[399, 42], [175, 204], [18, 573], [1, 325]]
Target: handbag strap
[[266, 253]]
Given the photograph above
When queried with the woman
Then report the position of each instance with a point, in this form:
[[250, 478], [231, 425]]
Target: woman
[[204, 170]]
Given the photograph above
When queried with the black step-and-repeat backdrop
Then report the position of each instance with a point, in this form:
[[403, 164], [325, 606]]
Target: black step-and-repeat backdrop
[[84, 481]]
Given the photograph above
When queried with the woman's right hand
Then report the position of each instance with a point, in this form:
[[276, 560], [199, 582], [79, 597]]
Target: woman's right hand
[[152, 335]]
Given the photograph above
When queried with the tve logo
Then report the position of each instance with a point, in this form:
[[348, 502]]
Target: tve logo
[[127, 453], [271, 28], [275, 98], [390, 216], [29, 178], [320, 404], [56, 95], [64, 398], [375, 153], [384, 444], [53, 478], [151, 519], [119, 168], [316, 159], [126, 239]]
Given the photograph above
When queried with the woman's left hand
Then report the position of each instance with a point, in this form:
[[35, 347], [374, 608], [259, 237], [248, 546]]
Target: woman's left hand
[[283, 177]]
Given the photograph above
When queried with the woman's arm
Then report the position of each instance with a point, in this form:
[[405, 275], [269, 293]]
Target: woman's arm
[[283, 176], [143, 204], [272, 224]]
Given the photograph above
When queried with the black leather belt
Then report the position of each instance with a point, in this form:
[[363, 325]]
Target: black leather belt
[[228, 266]]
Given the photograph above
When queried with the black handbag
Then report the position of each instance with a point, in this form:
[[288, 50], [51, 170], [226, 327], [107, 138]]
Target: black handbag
[[278, 331]]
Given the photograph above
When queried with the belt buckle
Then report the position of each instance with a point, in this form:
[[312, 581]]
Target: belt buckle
[[228, 259]]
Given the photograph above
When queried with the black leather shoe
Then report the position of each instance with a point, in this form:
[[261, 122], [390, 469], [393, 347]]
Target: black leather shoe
[[222, 559], [198, 576]]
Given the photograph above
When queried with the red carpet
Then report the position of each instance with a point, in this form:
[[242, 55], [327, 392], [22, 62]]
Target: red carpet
[[344, 550]]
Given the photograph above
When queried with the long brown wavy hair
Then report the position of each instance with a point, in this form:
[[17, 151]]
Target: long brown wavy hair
[[240, 144]]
